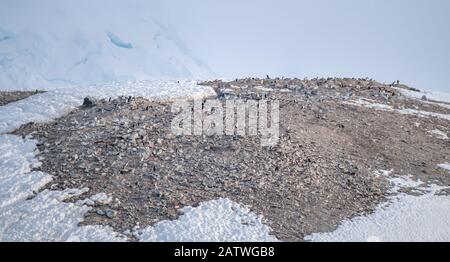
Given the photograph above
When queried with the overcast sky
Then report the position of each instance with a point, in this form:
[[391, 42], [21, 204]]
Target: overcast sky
[[387, 40]]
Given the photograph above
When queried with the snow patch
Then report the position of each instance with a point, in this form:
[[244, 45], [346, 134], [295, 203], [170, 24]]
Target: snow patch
[[404, 218], [265, 89], [445, 166], [100, 198], [435, 96], [14, 189], [398, 182], [16, 161], [407, 111], [212, 221], [439, 134], [47, 218]]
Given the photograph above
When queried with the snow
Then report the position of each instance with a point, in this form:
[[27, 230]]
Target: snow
[[265, 89], [100, 198], [22, 187], [47, 217], [406, 111], [439, 134], [408, 218], [421, 113], [431, 95], [16, 160], [403, 218], [72, 43], [445, 166], [58, 101], [398, 182], [212, 221]]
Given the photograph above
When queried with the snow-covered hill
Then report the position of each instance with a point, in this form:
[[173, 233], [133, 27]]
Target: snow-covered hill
[[54, 43]]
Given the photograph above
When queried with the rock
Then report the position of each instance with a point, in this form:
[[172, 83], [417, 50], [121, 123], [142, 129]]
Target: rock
[[141, 132], [110, 213], [424, 98], [89, 102], [133, 136]]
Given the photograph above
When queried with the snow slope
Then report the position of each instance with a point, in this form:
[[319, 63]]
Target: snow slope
[[62, 43]]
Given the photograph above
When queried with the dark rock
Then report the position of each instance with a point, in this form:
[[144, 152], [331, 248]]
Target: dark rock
[[89, 102]]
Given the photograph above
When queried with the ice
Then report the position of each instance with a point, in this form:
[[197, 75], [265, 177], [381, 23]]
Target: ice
[[118, 42]]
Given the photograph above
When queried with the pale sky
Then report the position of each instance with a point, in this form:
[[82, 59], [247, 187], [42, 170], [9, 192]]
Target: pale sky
[[408, 40]]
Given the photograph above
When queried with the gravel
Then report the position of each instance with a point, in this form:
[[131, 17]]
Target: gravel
[[7, 97]]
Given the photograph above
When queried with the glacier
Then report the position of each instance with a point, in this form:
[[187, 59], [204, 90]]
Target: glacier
[[72, 43], [117, 41]]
